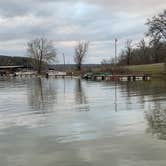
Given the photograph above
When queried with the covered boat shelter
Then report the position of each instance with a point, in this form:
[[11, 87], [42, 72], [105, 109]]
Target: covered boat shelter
[[6, 70]]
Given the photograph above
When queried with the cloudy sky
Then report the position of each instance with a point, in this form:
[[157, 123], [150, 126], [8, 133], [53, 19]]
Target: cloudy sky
[[67, 21]]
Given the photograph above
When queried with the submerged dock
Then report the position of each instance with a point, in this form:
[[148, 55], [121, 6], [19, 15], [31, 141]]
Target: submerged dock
[[117, 77]]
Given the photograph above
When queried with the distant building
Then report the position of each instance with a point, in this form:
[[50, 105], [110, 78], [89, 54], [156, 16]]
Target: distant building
[[56, 73]]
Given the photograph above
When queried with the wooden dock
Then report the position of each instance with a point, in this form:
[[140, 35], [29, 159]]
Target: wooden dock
[[118, 77]]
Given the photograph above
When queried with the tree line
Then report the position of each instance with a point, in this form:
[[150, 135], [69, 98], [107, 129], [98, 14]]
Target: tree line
[[145, 52]]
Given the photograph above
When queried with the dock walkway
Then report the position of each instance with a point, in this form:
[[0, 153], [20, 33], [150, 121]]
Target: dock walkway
[[117, 77]]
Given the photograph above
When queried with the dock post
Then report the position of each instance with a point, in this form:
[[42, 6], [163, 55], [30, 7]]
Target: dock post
[[134, 78], [129, 78]]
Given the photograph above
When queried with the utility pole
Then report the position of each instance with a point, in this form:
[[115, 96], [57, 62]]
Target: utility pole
[[115, 102], [116, 40], [63, 59]]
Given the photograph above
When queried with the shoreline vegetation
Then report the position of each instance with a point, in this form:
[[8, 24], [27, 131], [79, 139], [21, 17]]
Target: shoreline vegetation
[[156, 70]]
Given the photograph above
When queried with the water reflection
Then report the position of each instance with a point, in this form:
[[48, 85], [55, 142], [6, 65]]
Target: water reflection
[[41, 95], [151, 93], [45, 95], [80, 96], [116, 98], [157, 123], [67, 136]]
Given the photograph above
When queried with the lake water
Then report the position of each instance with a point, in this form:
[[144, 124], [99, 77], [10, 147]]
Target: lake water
[[73, 122]]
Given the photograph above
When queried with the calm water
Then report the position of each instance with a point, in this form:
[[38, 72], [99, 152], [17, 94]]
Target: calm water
[[71, 122]]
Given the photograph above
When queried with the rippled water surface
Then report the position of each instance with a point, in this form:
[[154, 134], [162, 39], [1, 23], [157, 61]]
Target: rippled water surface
[[72, 122]]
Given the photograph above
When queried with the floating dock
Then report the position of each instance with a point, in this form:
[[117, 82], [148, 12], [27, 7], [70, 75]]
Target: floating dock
[[117, 77]]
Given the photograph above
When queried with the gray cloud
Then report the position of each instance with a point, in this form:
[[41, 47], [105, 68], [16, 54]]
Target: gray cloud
[[66, 21]]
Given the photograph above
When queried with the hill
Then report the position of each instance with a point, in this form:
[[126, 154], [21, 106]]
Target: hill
[[14, 61]]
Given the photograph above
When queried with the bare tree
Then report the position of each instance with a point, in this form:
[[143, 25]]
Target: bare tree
[[157, 31], [157, 27], [81, 50], [122, 59], [107, 64], [128, 51], [42, 52], [142, 46], [143, 51], [156, 46]]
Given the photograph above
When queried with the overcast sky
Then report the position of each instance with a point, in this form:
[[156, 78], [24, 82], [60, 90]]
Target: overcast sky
[[67, 21]]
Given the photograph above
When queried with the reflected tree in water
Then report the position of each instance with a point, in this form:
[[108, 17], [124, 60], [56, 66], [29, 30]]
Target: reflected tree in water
[[157, 123], [80, 96], [42, 95]]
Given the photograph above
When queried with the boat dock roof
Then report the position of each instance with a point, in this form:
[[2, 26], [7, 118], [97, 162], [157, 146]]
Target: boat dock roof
[[10, 67]]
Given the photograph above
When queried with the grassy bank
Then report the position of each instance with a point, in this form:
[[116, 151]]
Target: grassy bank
[[156, 70]]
